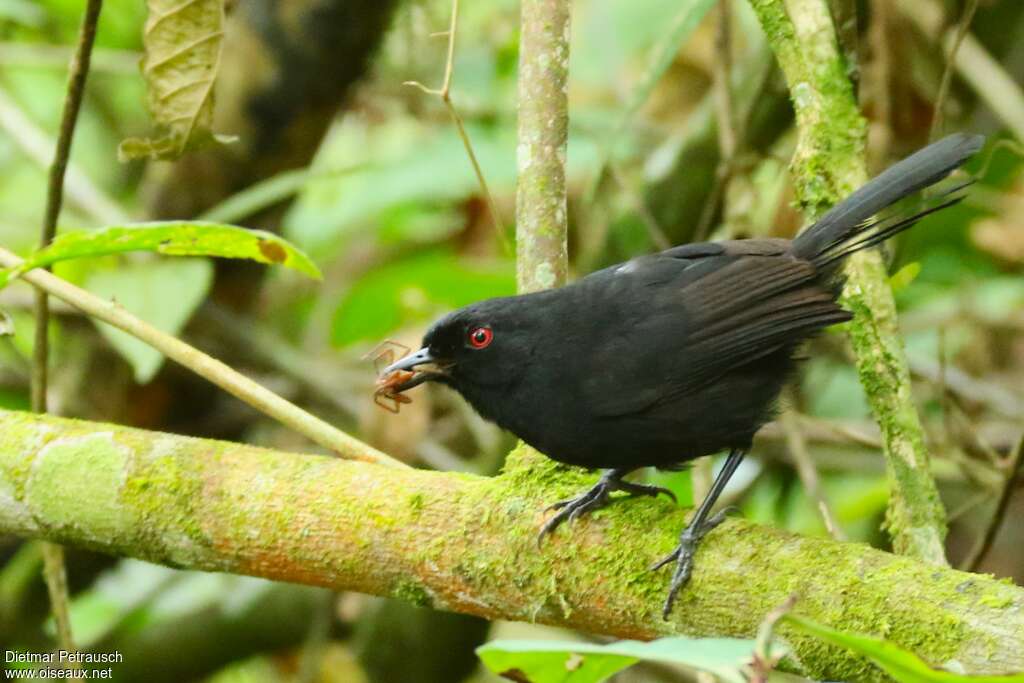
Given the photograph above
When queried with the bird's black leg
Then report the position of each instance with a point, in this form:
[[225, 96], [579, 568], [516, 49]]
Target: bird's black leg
[[701, 523], [597, 497]]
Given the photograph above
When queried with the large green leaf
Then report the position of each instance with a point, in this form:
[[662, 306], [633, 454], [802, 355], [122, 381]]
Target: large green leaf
[[548, 661], [903, 666], [182, 43], [175, 238], [163, 293]]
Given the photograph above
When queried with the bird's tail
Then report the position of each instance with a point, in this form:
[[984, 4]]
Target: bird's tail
[[849, 226]]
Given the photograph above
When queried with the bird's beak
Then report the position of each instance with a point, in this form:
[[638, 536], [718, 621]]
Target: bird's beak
[[421, 357]]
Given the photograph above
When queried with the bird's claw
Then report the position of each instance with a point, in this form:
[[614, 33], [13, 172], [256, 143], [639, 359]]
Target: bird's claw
[[644, 490], [683, 557], [594, 499], [570, 510]]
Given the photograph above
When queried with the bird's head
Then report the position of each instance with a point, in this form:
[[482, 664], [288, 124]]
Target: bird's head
[[486, 345]]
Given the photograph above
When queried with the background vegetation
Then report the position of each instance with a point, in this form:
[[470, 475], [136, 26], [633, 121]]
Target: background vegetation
[[681, 128]]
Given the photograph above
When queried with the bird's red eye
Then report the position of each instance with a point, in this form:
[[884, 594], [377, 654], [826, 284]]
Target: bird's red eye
[[480, 337]]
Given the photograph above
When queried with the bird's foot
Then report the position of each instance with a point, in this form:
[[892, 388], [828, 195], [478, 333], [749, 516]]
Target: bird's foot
[[683, 556], [595, 499]]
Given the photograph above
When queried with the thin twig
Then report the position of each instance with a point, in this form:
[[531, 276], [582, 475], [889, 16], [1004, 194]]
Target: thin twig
[[728, 138], [55, 189], [654, 231], [808, 473], [880, 74], [996, 88], [702, 476], [56, 578], [444, 92], [205, 366], [722, 87], [947, 73], [980, 550], [542, 135], [764, 662], [54, 571]]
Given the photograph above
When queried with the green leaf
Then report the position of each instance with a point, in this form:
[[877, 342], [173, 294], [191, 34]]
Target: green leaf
[[6, 324], [163, 293], [182, 42], [903, 666], [174, 238], [902, 278], [547, 661]]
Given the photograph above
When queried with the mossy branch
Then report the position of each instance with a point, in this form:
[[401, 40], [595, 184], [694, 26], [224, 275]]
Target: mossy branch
[[203, 365], [542, 260], [828, 165], [468, 544]]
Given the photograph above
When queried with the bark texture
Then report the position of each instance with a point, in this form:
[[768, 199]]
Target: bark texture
[[829, 164], [541, 260], [468, 544]]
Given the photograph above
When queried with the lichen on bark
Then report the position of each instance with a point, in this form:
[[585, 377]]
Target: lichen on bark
[[468, 544], [543, 102], [827, 166]]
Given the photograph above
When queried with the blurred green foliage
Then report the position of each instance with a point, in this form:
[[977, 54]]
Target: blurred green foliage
[[391, 212]]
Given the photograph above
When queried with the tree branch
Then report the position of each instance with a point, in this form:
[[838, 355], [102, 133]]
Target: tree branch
[[541, 220], [468, 544], [542, 224], [231, 381], [827, 166]]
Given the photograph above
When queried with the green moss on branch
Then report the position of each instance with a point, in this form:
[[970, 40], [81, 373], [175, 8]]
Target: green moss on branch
[[468, 544], [827, 166]]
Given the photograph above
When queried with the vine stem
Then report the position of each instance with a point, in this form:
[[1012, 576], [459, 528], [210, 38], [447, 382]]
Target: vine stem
[[1013, 473], [54, 571], [444, 92], [947, 72]]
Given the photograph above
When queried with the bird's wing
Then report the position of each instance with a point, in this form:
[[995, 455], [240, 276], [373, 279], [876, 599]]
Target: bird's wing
[[719, 312]]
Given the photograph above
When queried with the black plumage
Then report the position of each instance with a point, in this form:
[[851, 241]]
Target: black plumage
[[670, 356]]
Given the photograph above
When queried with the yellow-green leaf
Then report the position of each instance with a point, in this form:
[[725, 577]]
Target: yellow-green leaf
[[182, 41], [902, 665], [175, 238], [552, 661]]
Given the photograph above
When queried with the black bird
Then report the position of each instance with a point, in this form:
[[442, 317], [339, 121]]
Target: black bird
[[671, 356]]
